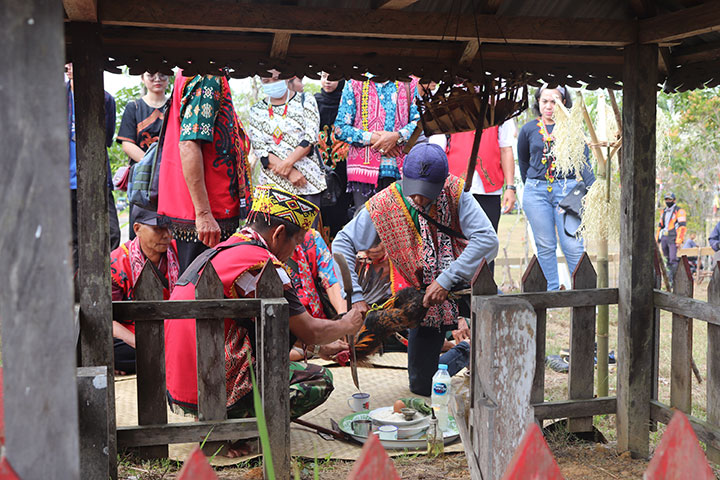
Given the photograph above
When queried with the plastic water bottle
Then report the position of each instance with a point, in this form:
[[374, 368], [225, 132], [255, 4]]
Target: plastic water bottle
[[441, 393]]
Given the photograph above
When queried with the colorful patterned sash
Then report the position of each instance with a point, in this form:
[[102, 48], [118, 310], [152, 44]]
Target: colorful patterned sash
[[420, 255]]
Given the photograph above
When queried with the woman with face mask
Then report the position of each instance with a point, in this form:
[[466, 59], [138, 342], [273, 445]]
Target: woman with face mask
[[545, 188], [283, 130]]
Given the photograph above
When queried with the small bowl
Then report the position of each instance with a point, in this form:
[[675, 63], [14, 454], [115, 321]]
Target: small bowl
[[408, 413]]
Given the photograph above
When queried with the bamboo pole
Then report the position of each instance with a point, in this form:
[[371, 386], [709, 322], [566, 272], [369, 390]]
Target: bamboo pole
[[593, 136], [603, 315]]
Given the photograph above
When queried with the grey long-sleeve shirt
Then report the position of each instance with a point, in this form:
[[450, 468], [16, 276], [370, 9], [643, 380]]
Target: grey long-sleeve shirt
[[360, 234]]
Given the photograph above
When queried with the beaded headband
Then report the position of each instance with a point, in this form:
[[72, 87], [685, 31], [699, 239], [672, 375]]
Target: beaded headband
[[271, 200]]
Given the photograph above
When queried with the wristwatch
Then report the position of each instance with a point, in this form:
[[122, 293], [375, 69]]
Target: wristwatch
[[511, 187]]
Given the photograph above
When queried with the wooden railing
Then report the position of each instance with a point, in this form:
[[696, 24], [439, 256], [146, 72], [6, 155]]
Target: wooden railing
[[153, 432], [684, 309], [580, 405]]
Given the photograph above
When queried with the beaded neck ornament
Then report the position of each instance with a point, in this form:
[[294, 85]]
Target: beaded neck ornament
[[277, 133], [548, 157], [364, 100]]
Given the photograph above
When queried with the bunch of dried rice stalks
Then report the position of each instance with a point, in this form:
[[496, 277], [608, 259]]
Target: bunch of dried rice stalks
[[570, 142], [601, 217]]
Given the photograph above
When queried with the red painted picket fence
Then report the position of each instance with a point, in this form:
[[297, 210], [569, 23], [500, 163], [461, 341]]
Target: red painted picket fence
[[374, 463], [2, 410], [679, 454], [533, 458], [196, 467], [6, 471], [678, 457]]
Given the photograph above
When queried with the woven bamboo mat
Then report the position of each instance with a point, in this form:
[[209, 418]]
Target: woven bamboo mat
[[126, 414], [385, 385], [386, 360]]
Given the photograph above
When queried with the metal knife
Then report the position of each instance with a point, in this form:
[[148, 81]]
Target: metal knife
[[347, 285]]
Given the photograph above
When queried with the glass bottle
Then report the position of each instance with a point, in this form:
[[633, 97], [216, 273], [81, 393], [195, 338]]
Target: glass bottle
[[434, 435]]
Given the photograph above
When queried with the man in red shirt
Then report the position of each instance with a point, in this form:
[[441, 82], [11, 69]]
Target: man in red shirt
[[277, 222], [205, 181]]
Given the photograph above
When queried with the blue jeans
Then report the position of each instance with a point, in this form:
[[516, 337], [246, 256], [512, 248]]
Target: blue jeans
[[456, 358], [546, 221]]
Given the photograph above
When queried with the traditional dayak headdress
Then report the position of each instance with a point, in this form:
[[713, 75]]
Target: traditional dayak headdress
[[271, 200]]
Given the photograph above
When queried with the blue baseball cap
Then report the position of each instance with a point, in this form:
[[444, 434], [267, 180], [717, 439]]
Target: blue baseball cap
[[425, 171]]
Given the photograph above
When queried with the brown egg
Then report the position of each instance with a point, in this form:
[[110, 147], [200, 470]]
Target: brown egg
[[398, 405]]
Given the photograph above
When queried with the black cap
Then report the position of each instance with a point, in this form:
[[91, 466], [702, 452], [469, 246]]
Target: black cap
[[150, 217]]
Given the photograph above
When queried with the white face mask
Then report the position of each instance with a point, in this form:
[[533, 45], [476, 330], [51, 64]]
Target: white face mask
[[275, 89]]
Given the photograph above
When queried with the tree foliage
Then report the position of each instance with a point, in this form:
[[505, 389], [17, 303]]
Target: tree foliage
[[690, 167]]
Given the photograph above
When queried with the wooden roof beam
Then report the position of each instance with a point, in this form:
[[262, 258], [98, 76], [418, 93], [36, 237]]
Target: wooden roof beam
[[643, 8], [697, 53], [491, 6], [665, 61], [238, 17], [81, 10], [280, 45], [675, 26], [392, 4]]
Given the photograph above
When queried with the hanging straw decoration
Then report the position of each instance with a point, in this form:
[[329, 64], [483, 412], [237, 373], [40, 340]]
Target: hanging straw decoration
[[613, 132], [569, 145], [601, 217]]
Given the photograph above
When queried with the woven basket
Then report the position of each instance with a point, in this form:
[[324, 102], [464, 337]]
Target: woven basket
[[468, 106], [461, 107]]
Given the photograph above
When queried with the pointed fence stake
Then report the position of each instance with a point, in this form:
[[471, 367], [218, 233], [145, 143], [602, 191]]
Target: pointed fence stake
[[196, 467], [679, 454], [713, 361], [210, 348], [533, 280], [533, 458], [374, 463], [582, 340], [6, 471]]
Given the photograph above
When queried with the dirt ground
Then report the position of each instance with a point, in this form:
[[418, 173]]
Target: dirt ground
[[577, 462]]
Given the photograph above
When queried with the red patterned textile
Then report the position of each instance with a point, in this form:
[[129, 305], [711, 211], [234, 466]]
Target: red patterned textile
[[180, 340], [423, 253]]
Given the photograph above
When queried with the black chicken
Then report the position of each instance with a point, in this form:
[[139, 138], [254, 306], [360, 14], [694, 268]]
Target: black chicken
[[405, 310]]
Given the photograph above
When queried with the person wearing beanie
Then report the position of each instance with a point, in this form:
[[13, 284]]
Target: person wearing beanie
[[435, 235], [153, 242]]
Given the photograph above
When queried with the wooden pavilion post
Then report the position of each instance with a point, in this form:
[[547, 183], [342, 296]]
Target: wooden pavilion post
[[36, 298], [96, 344], [635, 306]]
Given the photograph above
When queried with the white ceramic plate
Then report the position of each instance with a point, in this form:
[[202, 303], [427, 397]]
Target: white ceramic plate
[[417, 441], [379, 416]]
